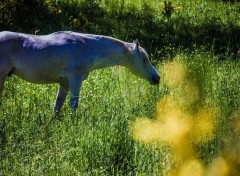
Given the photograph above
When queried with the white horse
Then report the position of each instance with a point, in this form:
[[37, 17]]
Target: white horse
[[67, 58]]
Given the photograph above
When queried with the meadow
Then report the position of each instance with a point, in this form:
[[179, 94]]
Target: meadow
[[188, 125], [114, 104]]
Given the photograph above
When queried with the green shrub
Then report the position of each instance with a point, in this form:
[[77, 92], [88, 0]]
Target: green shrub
[[161, 27]]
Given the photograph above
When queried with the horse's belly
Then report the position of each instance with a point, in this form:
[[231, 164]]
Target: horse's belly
[[36, 76], [40, 73], [39, 68]]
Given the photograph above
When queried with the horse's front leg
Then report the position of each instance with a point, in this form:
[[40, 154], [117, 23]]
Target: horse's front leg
[[75, 83], [61, 96]]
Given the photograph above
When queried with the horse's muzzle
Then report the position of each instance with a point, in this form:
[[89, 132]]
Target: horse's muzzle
[[155, 80]]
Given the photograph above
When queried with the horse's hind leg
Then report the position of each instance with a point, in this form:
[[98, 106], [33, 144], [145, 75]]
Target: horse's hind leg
[[6, 68]]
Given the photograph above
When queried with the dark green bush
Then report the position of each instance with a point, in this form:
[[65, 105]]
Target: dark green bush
[[160, 30]]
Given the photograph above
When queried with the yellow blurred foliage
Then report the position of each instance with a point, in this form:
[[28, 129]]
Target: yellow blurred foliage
[[191, 168], [181, 128], [219, 168], [174, 74], [204, 124]]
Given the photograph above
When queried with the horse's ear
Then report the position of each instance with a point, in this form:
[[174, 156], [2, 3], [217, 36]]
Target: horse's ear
[[136, 44]]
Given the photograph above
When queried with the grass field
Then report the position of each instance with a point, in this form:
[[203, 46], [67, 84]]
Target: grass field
[[189, 125], [102, 140]]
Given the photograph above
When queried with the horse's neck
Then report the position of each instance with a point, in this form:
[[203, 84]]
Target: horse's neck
[[107, 62], [117, 57]]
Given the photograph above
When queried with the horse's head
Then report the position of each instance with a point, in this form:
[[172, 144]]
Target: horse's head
[[141, 66]]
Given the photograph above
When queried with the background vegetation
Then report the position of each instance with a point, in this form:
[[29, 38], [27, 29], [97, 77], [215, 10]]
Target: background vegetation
[[161, 27], [198, 41]]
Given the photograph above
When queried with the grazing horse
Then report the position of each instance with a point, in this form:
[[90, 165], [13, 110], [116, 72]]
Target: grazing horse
[[67, 58]]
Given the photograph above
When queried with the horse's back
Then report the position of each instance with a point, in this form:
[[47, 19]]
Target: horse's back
[[7, 35], [45, 58], [60, 38], [6, 40]]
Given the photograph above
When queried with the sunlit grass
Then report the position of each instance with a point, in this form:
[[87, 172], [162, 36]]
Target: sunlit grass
[[33, 141], [189, 118], [124, 126]]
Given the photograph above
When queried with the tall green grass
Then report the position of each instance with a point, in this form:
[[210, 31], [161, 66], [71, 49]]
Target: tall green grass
[[99, 141], [35, 142]]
